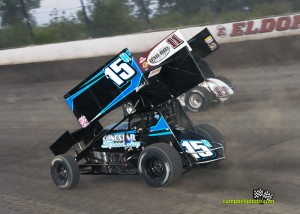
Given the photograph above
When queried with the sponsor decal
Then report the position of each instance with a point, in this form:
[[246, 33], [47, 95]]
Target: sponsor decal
[[120, 141], [145, 65], [165, 49], [142, 59], [140, 86], [159, 55], [125, 57], [154, 72], [221, 91], [83, 121], [211, 43], [156, 116]]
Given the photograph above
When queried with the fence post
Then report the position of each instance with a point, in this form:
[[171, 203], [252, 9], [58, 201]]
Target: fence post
[[27, 21], [86, 19]]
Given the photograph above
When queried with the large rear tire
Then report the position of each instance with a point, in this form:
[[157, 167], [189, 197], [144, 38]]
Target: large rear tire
[[65, 171], [225, 80], [159, 165], [198, 99]]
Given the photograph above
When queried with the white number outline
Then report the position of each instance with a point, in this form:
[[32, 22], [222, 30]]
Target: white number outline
[[197, 149], [119, 72]]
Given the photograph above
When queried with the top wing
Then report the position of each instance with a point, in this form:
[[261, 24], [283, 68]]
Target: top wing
[[165, 71], [171, 69], [105, 89]]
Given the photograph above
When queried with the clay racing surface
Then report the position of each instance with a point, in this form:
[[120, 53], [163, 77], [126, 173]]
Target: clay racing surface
[[261, 126]]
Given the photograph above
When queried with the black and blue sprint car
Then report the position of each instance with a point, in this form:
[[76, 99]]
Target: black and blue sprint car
[[158, 140]]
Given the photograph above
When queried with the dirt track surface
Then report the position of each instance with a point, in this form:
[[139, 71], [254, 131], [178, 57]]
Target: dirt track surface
[[260, 124]]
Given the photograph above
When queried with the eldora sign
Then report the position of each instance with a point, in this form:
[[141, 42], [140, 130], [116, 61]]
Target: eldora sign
[[259, 26]]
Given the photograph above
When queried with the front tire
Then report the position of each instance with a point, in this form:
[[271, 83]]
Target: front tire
[[198, 99], [159, 165], [65, 171], [212, 135]]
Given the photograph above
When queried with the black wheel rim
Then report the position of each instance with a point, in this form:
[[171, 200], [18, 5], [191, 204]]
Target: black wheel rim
[[60, 173], [155, 168]]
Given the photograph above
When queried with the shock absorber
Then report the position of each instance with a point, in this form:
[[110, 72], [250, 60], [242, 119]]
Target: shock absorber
[[103, 157]]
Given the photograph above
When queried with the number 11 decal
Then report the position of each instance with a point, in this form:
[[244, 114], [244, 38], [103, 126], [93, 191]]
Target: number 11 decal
[[197, 149], [174, 41]]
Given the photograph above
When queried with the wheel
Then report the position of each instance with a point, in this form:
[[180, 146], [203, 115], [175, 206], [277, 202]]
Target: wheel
[[225, 80], [65, 171], [210, 133], [159, 165], [128, 109], [198, 99], [213, 135]]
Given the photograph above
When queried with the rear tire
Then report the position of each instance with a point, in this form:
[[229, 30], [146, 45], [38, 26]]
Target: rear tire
[[65, 171], [225, 80], [198, 99], [159, 165]]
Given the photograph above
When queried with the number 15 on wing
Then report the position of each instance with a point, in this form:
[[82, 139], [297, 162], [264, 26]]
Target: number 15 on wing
[[119, 72], [199, 149]]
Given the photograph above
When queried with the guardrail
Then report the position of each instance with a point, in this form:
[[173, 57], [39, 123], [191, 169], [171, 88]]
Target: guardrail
[[224, 33]]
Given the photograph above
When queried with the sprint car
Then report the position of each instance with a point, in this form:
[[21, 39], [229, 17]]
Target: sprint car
[[158, 140], [214, 89]]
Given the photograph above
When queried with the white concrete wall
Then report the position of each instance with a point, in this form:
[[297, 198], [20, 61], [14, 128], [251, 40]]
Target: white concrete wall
[[224, 33]]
